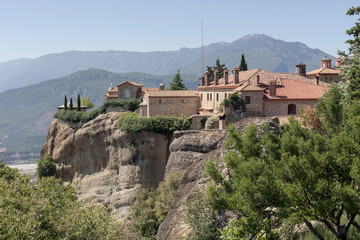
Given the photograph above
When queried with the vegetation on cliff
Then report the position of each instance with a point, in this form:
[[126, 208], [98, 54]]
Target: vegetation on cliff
[[49, 210], [166, 125], [151, 206], [84, 117]]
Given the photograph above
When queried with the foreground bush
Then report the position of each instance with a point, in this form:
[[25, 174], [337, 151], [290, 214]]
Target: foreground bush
[[45, 167], [49, 210], [166, 125]]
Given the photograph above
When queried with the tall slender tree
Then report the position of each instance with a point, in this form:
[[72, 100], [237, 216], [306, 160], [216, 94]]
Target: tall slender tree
[[65, 103], [78, 106], [71, 104], [243, 64]]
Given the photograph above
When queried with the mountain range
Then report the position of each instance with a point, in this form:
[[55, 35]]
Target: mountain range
[[28, 99], [261, 51]]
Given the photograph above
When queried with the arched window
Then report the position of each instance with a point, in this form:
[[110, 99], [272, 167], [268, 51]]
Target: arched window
[[217, 97], [126, 93], [291, 109]]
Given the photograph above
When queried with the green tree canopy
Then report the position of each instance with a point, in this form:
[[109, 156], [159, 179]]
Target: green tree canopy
[[243, 64], [85, 101], [218, 66], [176, 82], [49, 210]]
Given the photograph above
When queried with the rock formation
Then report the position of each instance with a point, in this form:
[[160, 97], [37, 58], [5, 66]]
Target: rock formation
[[106, 165]]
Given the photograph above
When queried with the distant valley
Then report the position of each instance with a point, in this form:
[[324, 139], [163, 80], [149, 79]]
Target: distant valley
[[27, 112]]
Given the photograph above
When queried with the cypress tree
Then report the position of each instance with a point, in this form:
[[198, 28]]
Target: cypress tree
[[71, 104], [78, 103], [65, 103], [243, 64]]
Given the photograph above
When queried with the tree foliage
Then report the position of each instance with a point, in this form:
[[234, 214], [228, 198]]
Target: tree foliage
[[49, 210], [65, 103], [45, 167], [151, 206], [78, 104], [166, 125], [176, 82], [218, 66], [85, 101], [71, 107], [243, 65], [235, 101]]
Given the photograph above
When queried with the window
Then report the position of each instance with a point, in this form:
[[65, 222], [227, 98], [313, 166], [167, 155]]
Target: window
[[201, 97], [291, 109], [247, 99], [217, 97], [182, 100], [210, 96], [225, 95], [159, 101], [126, 93], [207, 96]]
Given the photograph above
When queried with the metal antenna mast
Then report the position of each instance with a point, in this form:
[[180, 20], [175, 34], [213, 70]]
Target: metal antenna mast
[[202, 47]]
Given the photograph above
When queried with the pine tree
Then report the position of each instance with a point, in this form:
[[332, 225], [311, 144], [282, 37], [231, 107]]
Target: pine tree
[[71, 104], [78, 108], [243, 64], [177, 82], [218, 66], [65, 103]]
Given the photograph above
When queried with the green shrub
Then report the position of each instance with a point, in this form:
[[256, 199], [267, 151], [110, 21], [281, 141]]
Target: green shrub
[[129, 105], [45, 167], [84, 117], [235, 101], [201, 218], [151, 206], [166, 125], [49, 210]]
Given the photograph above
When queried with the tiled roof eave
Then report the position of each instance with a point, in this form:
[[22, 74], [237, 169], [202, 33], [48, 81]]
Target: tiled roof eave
[[174, 96], [282, 99], [217, 87]]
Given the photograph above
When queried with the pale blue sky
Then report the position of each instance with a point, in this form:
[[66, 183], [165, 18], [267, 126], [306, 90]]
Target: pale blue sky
[[31, 28]]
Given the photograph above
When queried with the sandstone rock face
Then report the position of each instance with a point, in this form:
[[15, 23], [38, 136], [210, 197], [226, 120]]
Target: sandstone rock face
[[106, 165], [193, 149]]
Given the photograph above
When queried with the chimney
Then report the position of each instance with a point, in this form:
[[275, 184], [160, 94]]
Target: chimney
[[301, 69], [226, 77], [235, 71], [161, 86], [258, 79], [216, 77], [317, 80], [207, 79], [202, 80], [272, 88]]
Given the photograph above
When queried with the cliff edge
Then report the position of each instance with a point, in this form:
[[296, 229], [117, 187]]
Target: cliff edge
[[106, 165]]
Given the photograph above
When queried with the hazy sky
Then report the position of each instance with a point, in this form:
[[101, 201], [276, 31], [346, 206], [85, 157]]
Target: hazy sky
[[31, 28]]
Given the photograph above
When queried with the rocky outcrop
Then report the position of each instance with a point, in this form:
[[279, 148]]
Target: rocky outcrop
[[203, 146], [106, 165]]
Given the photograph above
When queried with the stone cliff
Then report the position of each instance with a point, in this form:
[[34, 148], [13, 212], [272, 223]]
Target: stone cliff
[[106, 165], [109, 166]]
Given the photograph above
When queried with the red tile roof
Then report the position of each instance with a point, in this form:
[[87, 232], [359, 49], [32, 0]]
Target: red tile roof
[[324, 71], [171, 93], [129, 82], [292, 89]]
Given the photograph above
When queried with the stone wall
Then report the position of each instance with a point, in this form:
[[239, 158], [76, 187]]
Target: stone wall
[[115, 109], [256, 101], [127, 91], [280, 107], [173, 106]]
